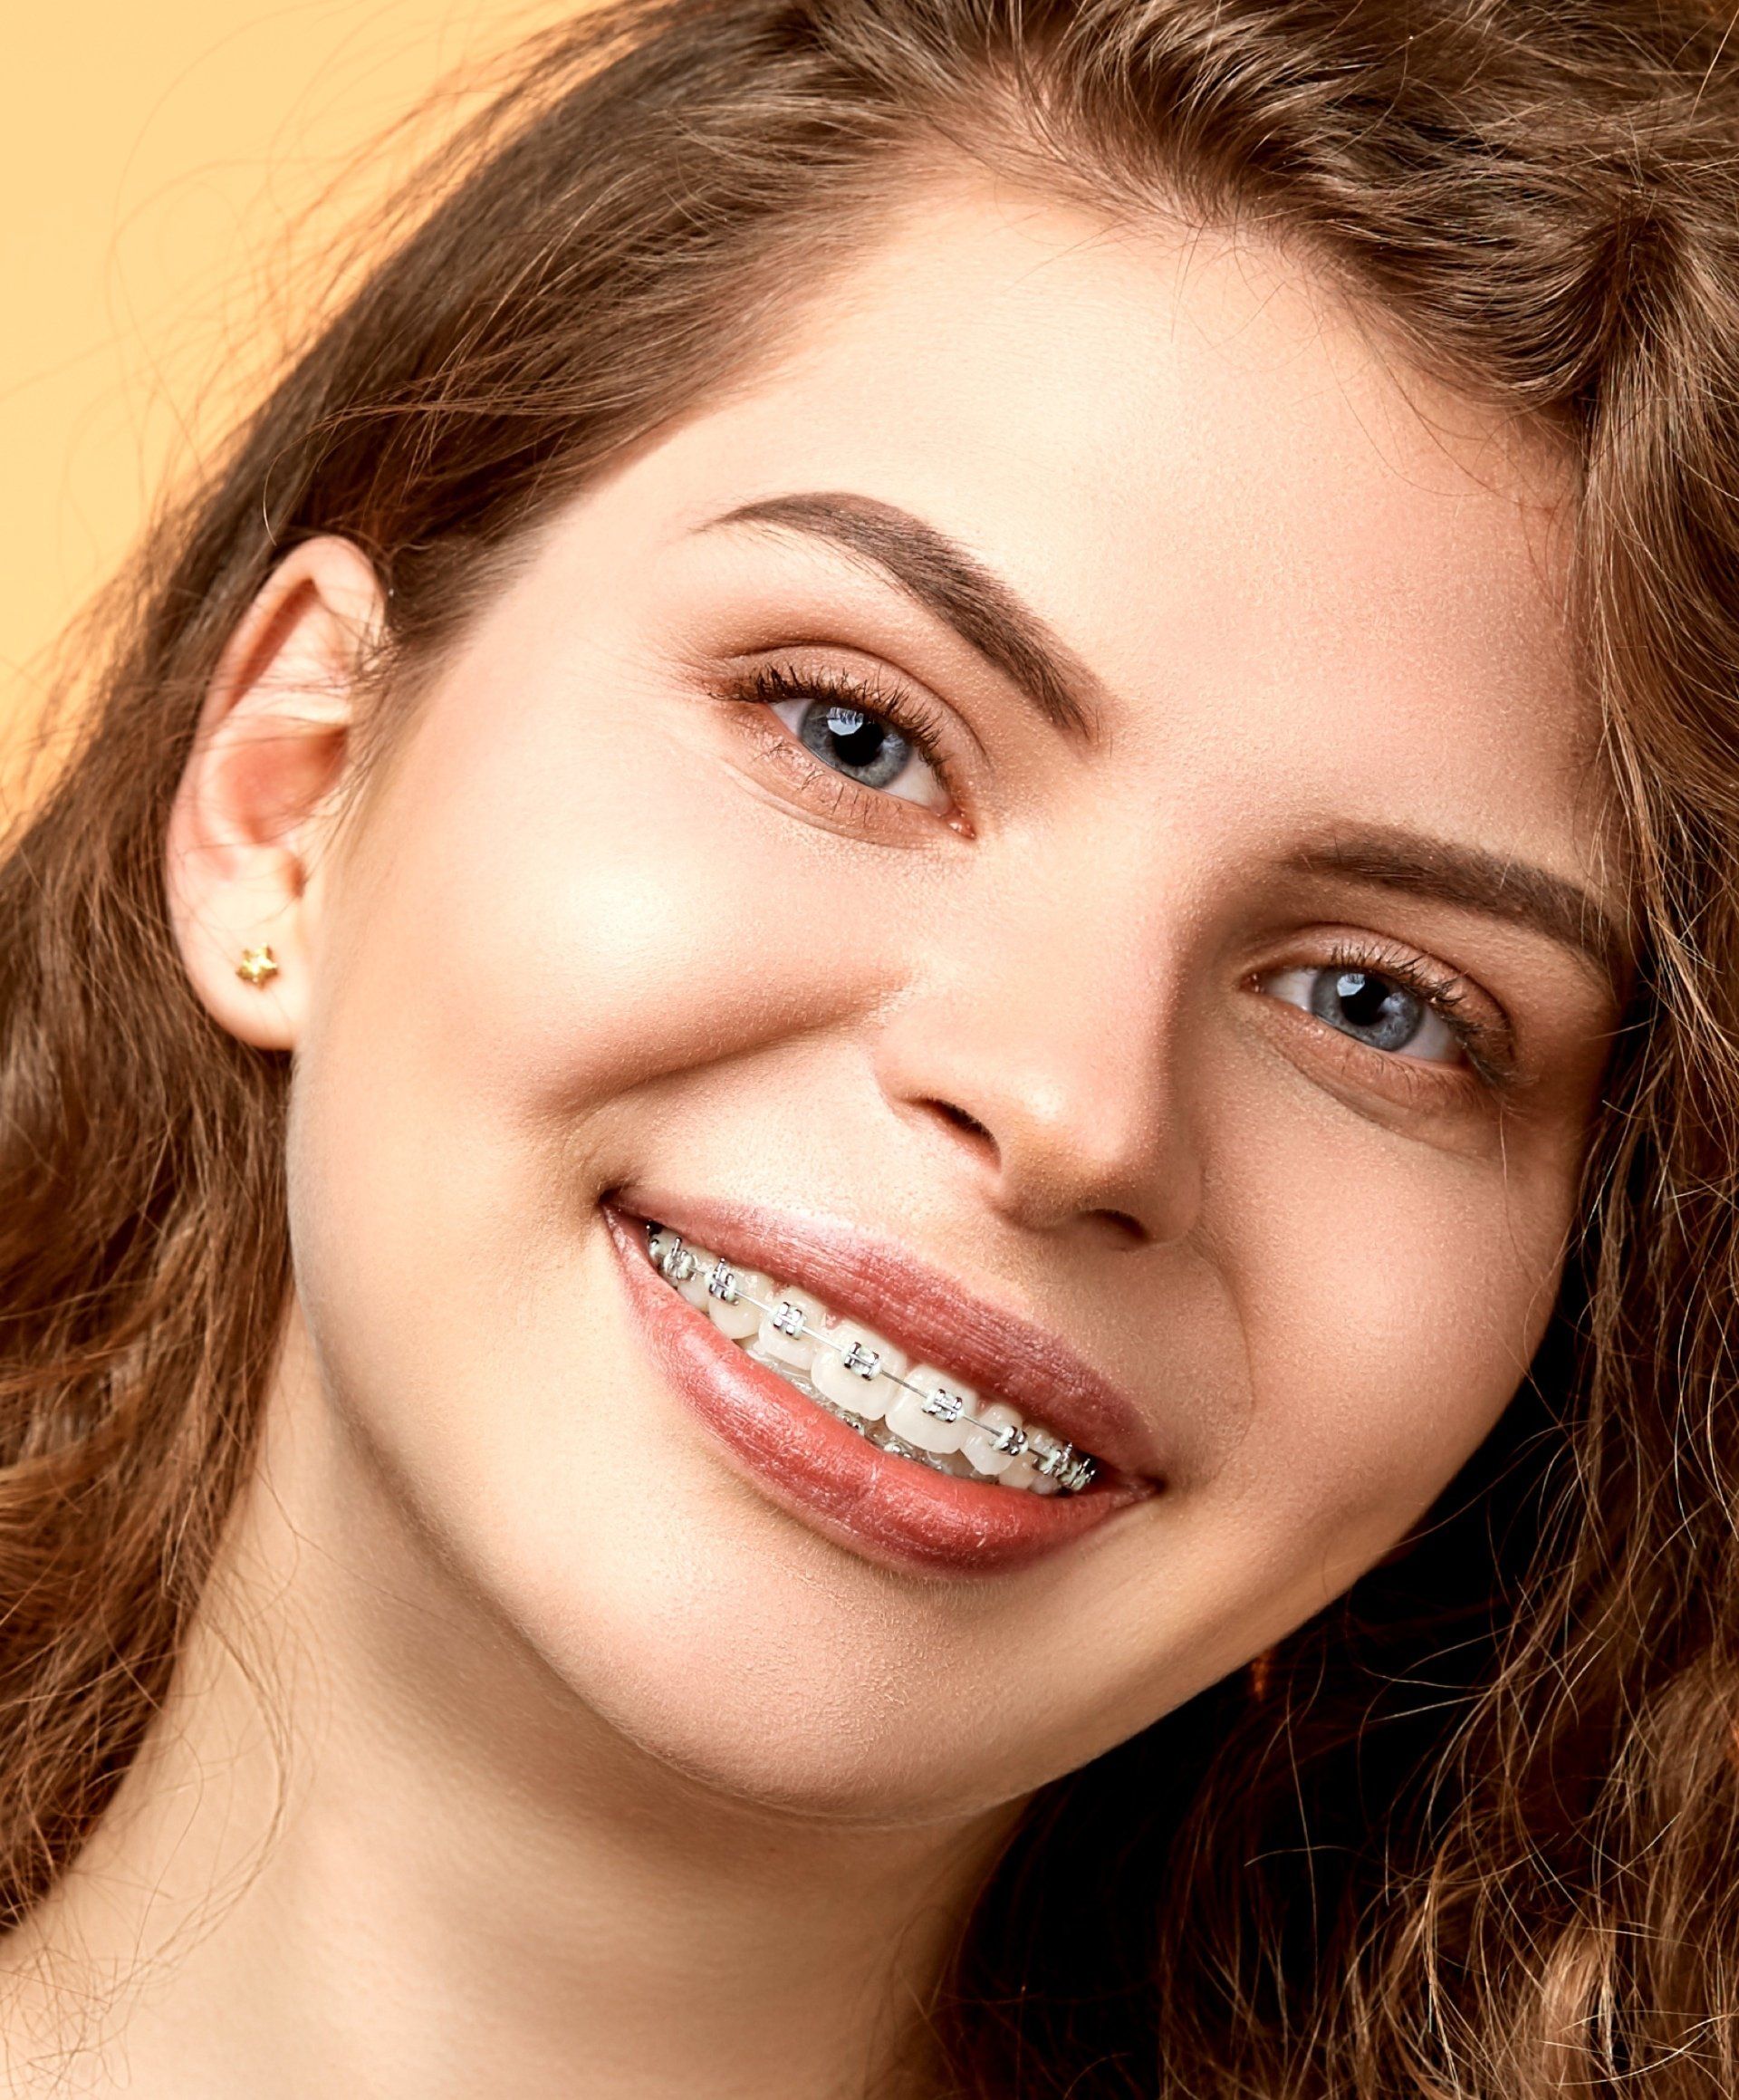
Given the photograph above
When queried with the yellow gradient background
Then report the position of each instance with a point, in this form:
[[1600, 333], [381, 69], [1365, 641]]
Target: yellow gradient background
[[152, 155]]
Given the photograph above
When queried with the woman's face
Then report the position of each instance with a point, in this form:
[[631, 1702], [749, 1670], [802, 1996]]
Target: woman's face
[[1057, 822]]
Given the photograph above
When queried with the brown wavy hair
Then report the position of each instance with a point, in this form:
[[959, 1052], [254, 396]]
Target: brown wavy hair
[[1475, 1831]]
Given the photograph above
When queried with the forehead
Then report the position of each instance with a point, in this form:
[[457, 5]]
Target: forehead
[[1275, 543]]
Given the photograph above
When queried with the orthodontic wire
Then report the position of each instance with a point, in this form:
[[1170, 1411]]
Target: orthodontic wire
[[1072, 1470]]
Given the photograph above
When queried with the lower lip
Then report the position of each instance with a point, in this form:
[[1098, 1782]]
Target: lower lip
[[890, 1510]]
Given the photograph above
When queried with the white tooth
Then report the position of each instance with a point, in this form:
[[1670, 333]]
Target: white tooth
[[868, 1397], [737, 1318], [797, 1350], [872, 1398], [695, 1289], [977, 1441], [1043, 1445], [908, 1417]]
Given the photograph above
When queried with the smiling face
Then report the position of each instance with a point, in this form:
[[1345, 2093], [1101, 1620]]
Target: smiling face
[[1057, 821]]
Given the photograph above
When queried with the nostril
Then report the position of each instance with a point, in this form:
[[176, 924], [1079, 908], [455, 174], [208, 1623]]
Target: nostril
[[959, 1120], [1039, 1197]]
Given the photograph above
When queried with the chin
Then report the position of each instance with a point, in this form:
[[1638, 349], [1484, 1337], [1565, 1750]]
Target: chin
[[725, 1647]]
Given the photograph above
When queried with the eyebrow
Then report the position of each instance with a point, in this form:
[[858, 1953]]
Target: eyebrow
[[954, 585], [1474, 880]]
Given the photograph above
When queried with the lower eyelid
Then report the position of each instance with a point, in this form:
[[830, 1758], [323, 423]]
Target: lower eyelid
[[791, 713], [833, 797], [1452, 1038], [1354, 1071]]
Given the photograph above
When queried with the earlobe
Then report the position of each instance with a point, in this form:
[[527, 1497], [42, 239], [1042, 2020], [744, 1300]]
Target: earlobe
[[260, 790]]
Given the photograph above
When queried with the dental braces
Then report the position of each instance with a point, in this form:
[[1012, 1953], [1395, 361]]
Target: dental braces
[[1072, 1470]]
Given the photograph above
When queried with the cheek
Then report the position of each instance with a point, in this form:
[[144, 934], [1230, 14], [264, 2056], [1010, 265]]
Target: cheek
[[1391, 1299], [568, 907], [1376, 1303], [548, 915]]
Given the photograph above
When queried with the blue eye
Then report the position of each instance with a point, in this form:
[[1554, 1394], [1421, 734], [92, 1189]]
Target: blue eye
[[1373, 1008], [863, 746]]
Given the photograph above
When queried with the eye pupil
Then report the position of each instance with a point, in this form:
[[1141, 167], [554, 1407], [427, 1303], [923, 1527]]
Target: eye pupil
[[856, 739], [854, 742], [1373, 1007], [1361, 996]]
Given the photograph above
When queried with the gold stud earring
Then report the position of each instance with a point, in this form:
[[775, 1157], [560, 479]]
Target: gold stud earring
[[257, 967]]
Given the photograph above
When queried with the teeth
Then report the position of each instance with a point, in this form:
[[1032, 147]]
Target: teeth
[[736, 1314], [985, 1438], [854, 1374], [922, 1413], [789, 1327], [1022, 1474], [931, 1411]]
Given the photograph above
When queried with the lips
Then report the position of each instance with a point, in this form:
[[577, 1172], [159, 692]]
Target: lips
[[874, 1501]]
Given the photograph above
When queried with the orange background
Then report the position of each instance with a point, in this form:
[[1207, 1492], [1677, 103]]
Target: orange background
[[153, 154]]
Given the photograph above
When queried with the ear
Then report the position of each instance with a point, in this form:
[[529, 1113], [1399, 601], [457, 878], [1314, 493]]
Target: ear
[[257, 801]]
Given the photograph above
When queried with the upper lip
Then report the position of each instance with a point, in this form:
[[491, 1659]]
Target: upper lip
[[924, 1311]]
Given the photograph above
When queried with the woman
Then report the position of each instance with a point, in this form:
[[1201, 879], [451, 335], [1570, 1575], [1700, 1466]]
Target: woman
[[869, 1102]]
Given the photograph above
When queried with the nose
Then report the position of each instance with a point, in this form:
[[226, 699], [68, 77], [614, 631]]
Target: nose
[[1044, 1052]]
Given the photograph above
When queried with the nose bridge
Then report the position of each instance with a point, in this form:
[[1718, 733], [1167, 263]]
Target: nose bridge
[[1049, 1016]]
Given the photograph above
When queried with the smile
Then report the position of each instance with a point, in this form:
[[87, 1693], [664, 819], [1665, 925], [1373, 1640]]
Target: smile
[[1020, 1448], [862, 1379]]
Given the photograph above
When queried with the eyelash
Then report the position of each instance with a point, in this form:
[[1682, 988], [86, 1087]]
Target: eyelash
[[1488, 1045], [919, 721]]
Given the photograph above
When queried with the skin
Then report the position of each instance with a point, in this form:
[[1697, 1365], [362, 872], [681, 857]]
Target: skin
[[526, 1746]]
